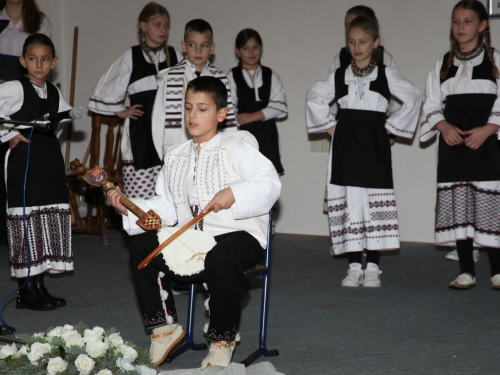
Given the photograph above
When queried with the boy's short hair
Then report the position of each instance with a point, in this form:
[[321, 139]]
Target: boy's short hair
[[199, 26], [211, 86]]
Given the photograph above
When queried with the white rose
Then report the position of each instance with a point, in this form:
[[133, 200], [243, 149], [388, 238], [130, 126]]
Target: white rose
[[124, 365], [68, 327], [56, 332], [93, 335], [69, 333], [84, 364], [114, 340], [104, 372], [8, 350], [56, 365], [129, 353], [145, 370], [74, 340], [96, 349], [24, 350], [38, 350]]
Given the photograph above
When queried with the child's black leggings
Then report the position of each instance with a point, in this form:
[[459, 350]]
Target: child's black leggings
[[372, 256], [466, 260]]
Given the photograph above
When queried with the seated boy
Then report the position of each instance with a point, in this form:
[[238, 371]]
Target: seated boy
[[167, 118], [220, 170]]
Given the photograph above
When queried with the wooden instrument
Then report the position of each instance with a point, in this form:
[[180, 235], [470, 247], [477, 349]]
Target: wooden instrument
[[184, 256], [99, 178]]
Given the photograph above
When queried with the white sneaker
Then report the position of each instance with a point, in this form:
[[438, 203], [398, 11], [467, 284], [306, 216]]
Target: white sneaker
[[463, 281], [354, 277], [163, 340], [453, 255], [220, 354], [495, 281], [372, 277]]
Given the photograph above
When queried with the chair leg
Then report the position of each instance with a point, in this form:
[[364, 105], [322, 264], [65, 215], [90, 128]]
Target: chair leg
[[189, 344], [262, 350]]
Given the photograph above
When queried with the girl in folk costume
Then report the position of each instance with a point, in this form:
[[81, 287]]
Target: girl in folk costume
[[18, 19], [361, 202], [258, 95], [343, 58], [136, 72], [168, 114], [462, 104], [47, 202]]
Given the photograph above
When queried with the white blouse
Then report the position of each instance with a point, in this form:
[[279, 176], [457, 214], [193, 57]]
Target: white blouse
[[13, 37], [462, 83], [401, 122], [277, 107], [109, 93], [11, 101]]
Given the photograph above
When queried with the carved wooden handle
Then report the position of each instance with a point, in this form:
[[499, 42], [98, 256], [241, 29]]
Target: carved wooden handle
[[99, 178]]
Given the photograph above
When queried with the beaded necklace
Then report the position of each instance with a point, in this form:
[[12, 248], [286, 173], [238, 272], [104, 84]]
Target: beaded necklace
[[472, 54], [363, 72]]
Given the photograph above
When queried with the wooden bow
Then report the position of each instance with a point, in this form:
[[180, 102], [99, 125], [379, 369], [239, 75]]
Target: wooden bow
[[174, 236], [99, 178]]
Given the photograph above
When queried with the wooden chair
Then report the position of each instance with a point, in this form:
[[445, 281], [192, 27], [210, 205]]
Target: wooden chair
[[259, 270], [112, 164]]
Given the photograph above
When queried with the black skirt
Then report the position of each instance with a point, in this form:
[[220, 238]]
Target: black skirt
[[460, 163], [361, 150]]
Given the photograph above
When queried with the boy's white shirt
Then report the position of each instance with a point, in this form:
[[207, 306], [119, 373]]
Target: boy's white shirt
[[252, 178]]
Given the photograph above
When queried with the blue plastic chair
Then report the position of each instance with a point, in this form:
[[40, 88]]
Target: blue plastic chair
[[259, 270]]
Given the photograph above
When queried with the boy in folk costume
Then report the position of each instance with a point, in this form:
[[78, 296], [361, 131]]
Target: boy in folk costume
[[226, 172], [168, 123]]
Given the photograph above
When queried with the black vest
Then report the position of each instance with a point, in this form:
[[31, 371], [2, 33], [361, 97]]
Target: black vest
[[481, 71], [142, 68], [33, 106], [246, 94], [380, 84]]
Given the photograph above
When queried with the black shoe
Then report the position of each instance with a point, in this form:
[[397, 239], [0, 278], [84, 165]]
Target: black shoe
[[59, 302], [31, 298]]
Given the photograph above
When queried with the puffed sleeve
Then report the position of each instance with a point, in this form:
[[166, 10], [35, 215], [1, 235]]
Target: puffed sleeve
[[161, 203], [432, 110], [403, 121], [260, 186], [277, 100], [495, 111], [318, 115], [11, 101], [109, 93]]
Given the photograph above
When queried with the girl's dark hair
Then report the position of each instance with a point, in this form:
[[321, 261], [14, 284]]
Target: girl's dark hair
[[151, 10], [31, 15], [362, 10], [211, 86], [370, 27], [484, 36], [38, 39], [245, 35]]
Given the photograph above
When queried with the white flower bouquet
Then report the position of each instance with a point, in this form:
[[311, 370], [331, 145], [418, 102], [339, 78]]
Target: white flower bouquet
[[74, 350]]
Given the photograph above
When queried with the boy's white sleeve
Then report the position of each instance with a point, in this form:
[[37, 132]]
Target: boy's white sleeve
[[260, 186], [161, 203]]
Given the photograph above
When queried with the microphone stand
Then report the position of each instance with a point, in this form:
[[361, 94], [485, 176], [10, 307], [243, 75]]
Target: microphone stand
[[43, 125]]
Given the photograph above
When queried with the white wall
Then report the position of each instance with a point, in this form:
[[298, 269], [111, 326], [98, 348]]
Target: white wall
[[300, 39]]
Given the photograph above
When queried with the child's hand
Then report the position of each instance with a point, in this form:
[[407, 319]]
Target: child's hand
[[247, 118], [18, 138], [392, 137], [476, 137], [223, 200], [132, 112], [114, 196], [330, 131], [452, 135]]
